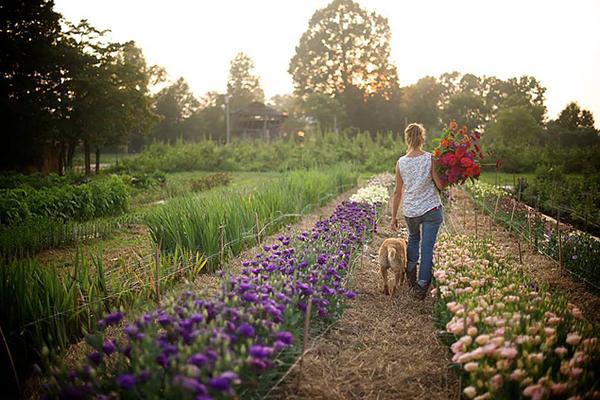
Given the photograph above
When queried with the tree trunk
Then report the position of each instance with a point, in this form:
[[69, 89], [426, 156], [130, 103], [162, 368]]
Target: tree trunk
[[87, 156], [70, 153], [61, 158], [97, 159]]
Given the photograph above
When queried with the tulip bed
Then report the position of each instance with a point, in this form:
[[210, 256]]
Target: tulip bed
[[198, 347], [518, 341]]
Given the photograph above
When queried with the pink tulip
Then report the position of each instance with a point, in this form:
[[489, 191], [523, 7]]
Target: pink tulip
[[517, 375], [507, 352], [496, 382], [470, 392], [560, 351], [559, 389], [536, 392], [573, 338], [482, 339], [575, 372], [471, 366]]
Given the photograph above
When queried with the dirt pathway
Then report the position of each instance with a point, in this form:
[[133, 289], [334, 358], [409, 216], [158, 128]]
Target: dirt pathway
[[381, 348]]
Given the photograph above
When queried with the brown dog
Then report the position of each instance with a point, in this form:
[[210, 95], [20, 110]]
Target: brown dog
[[392, 254]]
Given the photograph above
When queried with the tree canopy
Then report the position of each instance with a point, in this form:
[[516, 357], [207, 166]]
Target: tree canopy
[[243, 87]]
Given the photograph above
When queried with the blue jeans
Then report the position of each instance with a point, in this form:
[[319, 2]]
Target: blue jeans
[[426, 225]]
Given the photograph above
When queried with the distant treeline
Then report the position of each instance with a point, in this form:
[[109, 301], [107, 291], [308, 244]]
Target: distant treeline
[[67, 87]]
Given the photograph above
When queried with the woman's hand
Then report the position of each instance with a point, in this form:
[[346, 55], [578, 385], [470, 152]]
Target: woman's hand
[[439, 183], [394, 224]]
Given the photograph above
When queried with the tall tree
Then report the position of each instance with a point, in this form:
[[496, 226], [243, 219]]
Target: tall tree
[[29, 75], [344, 46], [174, 104], [327, 111], [573, 127], [209, 120], [109, 85], [345, 53], [514, 126], [243, 86], [420, 102]]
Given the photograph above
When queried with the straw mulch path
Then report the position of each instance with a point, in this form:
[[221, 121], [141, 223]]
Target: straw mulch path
[[381, 348], [543, 270]]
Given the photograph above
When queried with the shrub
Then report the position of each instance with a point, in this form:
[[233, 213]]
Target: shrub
[[79, 202], [211, 181]]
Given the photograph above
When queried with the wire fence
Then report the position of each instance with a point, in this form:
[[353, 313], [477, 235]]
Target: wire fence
[[149, 261], [536, 220]]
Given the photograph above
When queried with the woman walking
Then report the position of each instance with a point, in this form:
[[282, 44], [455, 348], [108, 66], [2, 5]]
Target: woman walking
[[417, 184]]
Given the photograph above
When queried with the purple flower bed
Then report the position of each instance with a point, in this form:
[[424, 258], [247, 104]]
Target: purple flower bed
[[203, 348]]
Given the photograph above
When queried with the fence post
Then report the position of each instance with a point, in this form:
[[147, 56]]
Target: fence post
[[529, 225], [304, 340], [512, 214], [559, 239], [258, 240], [496, 207], [465, 214], [157, 273], [10, 359], [476, 234], [519, 247], [222, 245]]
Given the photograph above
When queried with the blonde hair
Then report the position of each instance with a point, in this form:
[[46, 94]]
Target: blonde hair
[[414, 136]]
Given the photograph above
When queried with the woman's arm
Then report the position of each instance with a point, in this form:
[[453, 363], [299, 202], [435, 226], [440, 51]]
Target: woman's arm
[[397, 196], [435, 176]]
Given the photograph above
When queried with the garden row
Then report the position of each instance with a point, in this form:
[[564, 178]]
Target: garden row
[[575, 250], [34, 219], [234, 343], [370, 153], [573, 198], [511, 338], [58, 304]]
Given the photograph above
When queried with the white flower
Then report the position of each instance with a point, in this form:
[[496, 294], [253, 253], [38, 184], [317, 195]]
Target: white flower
[[371, 194]]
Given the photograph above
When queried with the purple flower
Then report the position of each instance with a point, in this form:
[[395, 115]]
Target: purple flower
[[131, 330], [126, 381], [95, 357], [350, 294], [249, 297], [164, 320], [190, 384], [246, 330], [163, 360], [113, 318], [109, 347], [198, 359], [258, 363], [144, 375], [222, 382], [285, 337], [258, 351]]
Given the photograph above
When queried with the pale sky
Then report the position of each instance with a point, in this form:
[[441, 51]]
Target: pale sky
[[558, 42]]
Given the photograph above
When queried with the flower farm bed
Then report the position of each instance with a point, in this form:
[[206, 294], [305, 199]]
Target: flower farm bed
[[511, 338], [214, 347]]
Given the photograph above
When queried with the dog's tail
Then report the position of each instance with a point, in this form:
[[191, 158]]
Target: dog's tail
[[391, 255]]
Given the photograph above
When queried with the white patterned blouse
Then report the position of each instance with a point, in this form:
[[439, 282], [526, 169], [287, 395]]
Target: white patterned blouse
[[419, 193]]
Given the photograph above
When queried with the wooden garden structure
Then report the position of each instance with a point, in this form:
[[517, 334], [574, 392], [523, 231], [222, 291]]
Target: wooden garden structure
[[257, 120]]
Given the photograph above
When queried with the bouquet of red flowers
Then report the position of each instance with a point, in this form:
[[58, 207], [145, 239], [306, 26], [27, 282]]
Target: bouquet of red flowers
[[458, 154]]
